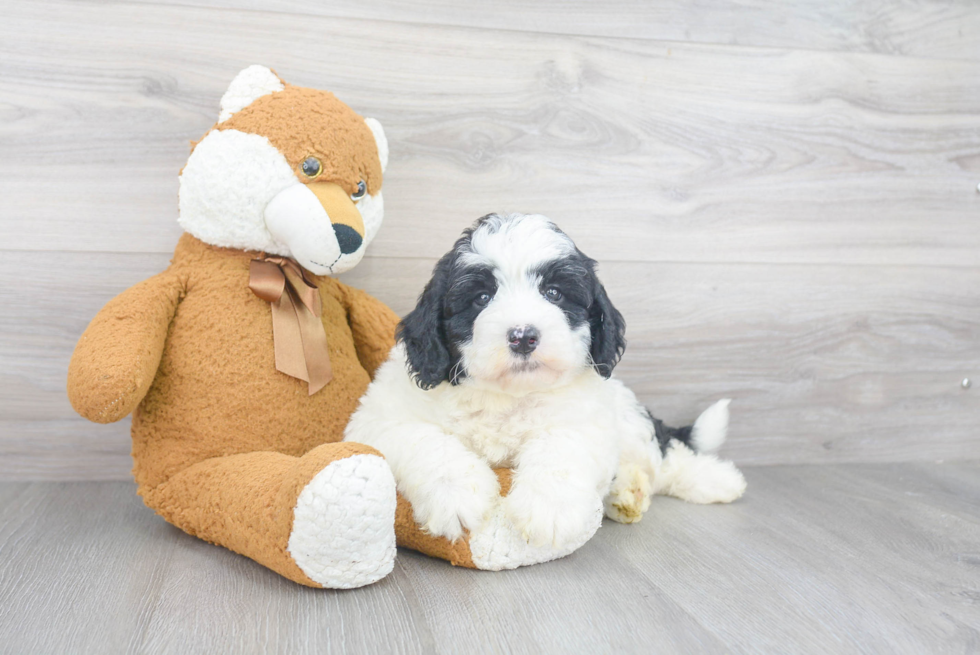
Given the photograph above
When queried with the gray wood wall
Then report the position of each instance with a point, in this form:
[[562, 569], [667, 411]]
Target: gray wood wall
[[783, 198]]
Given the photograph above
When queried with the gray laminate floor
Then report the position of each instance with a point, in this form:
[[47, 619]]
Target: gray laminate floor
[[822, 559]]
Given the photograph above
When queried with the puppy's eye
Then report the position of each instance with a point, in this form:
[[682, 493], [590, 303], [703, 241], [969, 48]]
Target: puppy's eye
[[361, 190], [312, 167], [482, 300], [552, 294]]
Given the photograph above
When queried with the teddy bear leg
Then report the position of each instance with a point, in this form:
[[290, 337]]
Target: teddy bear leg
[[325, 519]]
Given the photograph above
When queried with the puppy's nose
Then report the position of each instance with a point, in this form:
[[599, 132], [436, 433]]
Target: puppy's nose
[[347, 238], [523, 340]]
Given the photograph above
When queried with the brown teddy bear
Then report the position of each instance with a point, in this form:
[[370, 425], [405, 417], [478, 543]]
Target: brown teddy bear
[[243, 361]]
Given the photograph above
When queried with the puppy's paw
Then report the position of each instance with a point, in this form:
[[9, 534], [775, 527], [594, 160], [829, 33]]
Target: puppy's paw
[[551, 518], [630, 495], [454, 502]]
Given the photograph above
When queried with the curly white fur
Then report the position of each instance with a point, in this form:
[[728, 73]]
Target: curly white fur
[[575, 439]]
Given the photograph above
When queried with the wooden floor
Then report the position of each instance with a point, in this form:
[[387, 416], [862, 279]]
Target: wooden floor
[[824, 559]]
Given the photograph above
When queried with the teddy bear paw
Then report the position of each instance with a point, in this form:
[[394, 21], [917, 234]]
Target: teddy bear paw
[[343, 533]]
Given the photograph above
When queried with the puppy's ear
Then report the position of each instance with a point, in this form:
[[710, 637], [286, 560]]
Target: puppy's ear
[[608, 332], [423, 332]]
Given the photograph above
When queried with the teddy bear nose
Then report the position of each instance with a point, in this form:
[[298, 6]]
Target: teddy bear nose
[[523, 340], [347, 238]]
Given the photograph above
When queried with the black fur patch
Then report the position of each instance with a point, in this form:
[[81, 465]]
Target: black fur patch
[[423, 333], [444, 316], [664, 433], [584, 300], [574, 276], [608, 333]]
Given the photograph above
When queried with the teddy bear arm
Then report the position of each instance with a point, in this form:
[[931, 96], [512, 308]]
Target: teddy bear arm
[[117, 356], [373, 325]]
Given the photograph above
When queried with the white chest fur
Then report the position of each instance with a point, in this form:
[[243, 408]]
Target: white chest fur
[[496, 425], [587, 416]]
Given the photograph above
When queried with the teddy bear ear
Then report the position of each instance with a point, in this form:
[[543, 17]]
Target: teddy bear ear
[[380, 139], [249, 85]]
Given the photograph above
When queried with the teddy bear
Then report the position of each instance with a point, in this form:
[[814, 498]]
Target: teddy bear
[[243, 361]]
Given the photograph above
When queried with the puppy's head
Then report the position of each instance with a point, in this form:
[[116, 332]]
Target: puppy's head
[[514, 305]]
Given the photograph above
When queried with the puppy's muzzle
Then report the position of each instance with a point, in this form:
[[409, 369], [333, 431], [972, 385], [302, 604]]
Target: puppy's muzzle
[[523, 340]]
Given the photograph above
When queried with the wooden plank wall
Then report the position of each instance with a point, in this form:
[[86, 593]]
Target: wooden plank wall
[[783, 199]]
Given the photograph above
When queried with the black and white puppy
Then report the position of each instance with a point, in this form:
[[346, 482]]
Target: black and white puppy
[[507, 362]]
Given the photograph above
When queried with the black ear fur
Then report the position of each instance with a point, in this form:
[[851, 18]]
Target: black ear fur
[[608, 332], [423, 332]]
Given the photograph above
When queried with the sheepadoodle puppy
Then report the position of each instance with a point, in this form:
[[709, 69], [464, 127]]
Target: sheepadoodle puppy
[[507, 362]]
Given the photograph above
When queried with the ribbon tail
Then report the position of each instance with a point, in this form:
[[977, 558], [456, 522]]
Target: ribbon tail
[[315, 352], [288, 338]]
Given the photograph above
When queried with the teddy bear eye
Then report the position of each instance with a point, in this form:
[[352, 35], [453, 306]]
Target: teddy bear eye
[[312, 167], [361, 190]]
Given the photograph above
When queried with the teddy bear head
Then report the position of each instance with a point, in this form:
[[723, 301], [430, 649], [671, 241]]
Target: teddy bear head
[[287, 171]]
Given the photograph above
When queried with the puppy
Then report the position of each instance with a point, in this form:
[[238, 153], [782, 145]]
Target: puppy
[[506, 362]]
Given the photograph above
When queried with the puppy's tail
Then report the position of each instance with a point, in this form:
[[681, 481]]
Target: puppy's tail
[[705, 436]]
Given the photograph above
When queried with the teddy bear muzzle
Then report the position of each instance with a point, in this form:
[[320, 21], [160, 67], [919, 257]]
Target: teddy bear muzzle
[[319, 224]]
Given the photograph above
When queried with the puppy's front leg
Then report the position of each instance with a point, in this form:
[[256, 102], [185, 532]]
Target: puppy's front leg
[[449, 487], [559, 482]]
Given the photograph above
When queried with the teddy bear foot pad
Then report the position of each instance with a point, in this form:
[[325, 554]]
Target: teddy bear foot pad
[[342, 534]]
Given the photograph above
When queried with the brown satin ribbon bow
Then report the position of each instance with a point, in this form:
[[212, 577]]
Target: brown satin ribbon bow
[[297, 329]]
